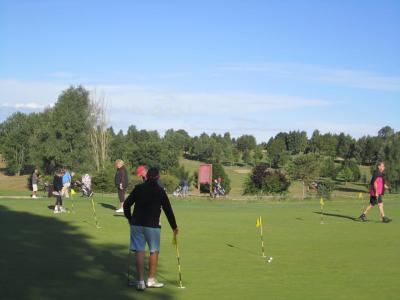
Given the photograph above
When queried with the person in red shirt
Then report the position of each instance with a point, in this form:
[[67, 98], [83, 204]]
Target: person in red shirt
[[141, 171], [377, 190]]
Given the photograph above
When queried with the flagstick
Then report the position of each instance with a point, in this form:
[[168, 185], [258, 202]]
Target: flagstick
[[94, 214], [322, 214], [262, 238], [72, 204]]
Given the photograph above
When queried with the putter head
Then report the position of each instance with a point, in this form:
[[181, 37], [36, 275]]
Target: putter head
[[181, 287]]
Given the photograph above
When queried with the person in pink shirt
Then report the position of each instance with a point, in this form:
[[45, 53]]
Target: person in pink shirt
[[377, 190]]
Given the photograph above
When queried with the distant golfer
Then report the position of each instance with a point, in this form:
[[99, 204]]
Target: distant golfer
[[377, 190], [185, 187], [35, 180], [121, 183], [58, 186], [66, 180], [148, 199]]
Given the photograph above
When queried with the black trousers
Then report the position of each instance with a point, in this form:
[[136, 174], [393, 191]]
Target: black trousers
[[121, 195], [59, 200]]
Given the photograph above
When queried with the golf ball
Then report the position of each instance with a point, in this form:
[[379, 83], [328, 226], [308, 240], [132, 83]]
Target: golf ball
[[269, 259]]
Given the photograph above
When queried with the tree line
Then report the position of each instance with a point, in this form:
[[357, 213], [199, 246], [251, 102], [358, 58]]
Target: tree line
[[74, 133]]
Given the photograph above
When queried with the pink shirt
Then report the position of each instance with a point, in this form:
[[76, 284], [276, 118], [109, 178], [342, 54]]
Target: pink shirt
[[379, 182]]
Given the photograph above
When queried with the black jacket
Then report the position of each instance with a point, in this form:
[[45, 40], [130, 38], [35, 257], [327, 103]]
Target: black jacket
[[121, 176], [148, 198], [57, 183]]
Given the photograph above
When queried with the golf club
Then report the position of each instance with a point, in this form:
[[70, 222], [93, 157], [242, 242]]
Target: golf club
[[175, 242], [94, 214]]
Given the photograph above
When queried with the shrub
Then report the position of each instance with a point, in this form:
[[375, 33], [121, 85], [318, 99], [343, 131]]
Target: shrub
[[325, 188], [349, 171], [267, 181], [169, 182], [103, 181], [219, 171], [328, 169], [181, 173]]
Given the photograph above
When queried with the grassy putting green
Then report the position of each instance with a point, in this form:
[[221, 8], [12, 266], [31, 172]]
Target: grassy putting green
[[47, 256]]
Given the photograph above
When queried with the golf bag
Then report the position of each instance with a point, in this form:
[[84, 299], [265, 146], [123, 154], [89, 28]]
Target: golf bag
[[85, 185], [218, 190], [178, 192]]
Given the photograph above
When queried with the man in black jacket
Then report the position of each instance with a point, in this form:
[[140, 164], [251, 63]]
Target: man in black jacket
[[121, 182], [148, 199]]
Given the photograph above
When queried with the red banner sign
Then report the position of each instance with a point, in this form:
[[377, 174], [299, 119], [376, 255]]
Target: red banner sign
[[205, 174]]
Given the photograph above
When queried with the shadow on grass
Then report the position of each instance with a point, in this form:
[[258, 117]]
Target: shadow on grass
[[350, 189], [337, 216], [243, 250], [109, 206], [45, 258]]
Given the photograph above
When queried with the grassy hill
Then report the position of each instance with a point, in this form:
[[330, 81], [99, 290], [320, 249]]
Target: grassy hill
[[11, 183]]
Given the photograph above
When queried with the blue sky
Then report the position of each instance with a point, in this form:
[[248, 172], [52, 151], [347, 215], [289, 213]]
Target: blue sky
[[256, 67]]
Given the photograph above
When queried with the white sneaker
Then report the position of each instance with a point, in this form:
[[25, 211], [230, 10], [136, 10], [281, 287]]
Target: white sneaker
[[140, 286], [153, 283], [121, 210], [34, 197], [57, 211]]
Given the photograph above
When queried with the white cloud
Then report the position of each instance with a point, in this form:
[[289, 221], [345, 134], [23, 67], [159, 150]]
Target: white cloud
[[153, 108], [41, 93], [344, 77], [29, 105], [160, 102]]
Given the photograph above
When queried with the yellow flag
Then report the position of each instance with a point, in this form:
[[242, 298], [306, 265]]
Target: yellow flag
[[360, 195], [73, 192], [258, 222], [321, 201]]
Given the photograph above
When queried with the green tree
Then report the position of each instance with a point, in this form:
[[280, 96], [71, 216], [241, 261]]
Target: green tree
[[247, 157], [305, 167], [264, 180], [246, 143], [277, 151], [179, 139], [63, 139], [296, 142], [386, 132], [345, 174], [328, 168], [391, 158], [343, 146], [258, 155], [15, 133]]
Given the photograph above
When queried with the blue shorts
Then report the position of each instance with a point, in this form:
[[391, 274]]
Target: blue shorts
[[141, 235]]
